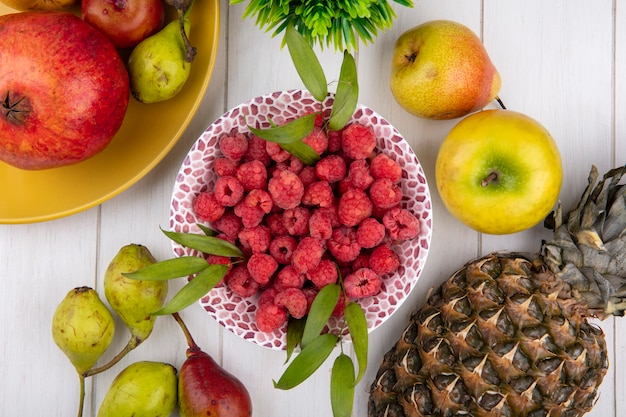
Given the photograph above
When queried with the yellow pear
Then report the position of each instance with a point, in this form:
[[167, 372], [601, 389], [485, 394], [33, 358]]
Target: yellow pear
[[39, 5], [441, 70]]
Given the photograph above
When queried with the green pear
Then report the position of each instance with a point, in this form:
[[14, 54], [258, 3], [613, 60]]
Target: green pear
[[142, 389], [441, 70], [157, 66]]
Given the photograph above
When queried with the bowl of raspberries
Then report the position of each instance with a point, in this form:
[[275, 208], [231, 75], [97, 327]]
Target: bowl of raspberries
[[359, 216]]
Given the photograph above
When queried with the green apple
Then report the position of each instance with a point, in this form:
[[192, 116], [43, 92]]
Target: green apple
[[499, 171], [441, 70]]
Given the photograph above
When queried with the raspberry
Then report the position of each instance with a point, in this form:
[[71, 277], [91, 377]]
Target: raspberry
[[220, 260], [323, 274], [384, 193], [241, 282], [286, 189], [401, 224], [274, 221], [228, 191], [223, 166], [331, 168], [267, 296], [383, 260], [282, 247], [358, 141], [343, 245], [362, 283], [359, 174], [331, 213], [259, 198], [251, 216], [354, 206], [361, 261], [206, 206], [310, 293], [317, 140], [334, 141], [370, 233], [288, 277], [275, 152], [270, 317], [318, 194], [383, 166], [255, 239], [308, 254], [320, 226], [261, 267], [343, 186], [293, 300], [296, 220], [252, 174], [307, 175], [230, 224], [234, 147], [256, 151], [292, 164]]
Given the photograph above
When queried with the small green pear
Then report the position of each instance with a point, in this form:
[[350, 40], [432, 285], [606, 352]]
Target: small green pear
[[82, 327], [157, 66], [142, 389]]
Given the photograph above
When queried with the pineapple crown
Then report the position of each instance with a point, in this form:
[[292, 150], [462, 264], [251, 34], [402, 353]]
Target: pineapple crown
[[588, 249]]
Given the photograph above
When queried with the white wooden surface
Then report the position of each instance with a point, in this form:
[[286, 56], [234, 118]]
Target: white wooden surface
[[562, 62]]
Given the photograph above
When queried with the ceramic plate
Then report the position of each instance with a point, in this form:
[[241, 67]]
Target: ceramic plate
[[146, 136], [237, 314]]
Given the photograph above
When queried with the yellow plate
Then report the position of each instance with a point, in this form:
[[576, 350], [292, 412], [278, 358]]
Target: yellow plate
[[148, 133]]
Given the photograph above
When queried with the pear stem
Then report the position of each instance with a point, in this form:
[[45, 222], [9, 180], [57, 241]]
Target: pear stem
[[500, 102], [489, 179], [81, 400], [192, 344], [132, 344]]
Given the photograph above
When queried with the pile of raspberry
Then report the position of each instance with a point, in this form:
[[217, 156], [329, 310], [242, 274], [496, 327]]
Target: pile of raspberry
[[303, 227]]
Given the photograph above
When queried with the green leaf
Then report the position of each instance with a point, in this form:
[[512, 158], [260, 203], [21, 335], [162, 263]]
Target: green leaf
[[206, 244], [342, 386], [321, 309], [206, 230], [302, 151], [295, 329], [169, 269], [307, 361], [195, 289], [306, 63], [347, 94], [357, 326], [290, 132]]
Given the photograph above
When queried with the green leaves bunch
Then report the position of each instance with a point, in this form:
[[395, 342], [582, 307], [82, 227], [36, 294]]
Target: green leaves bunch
[[328, 23]]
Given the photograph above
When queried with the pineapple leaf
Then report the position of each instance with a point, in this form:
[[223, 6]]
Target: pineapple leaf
[[321, 309], [306, 63], [347, 94], [307, 362], [342, 386], [202, 283], [207, 244], [169, 269], [295, 329], [357, 325]]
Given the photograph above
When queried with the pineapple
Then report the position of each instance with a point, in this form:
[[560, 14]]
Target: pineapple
[[508, 334]]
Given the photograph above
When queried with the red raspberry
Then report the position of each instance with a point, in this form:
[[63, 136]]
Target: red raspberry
[[334, 141], [261, 267], [370, 233], [331, 168], [383, 260], [241, 282], [288, 277], [228, 191], [320, 226], [331, 213], [275, 152], [318, 194], [383, 166], [323, 274], [282, 247], [270, 317], [207, 208], [267, 296], [259, 198], [230, 224], [274, 221], [401, 224], [343, 186], [286, 189], [296, 220], [234, 146], [354, 206], [292, 164], [223, 166], [359, 174], [251, 216], [257, 151], [255, 239], [252, 174], [293, 300], [307, 175], [317, 140], [310, 293], [358, 141], [229, 239], [361, 261], [220, 260], [343, 245], [362, 283], [384, 193], [308, 254]]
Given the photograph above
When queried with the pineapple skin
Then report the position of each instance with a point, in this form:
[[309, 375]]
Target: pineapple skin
[[503, 336]]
